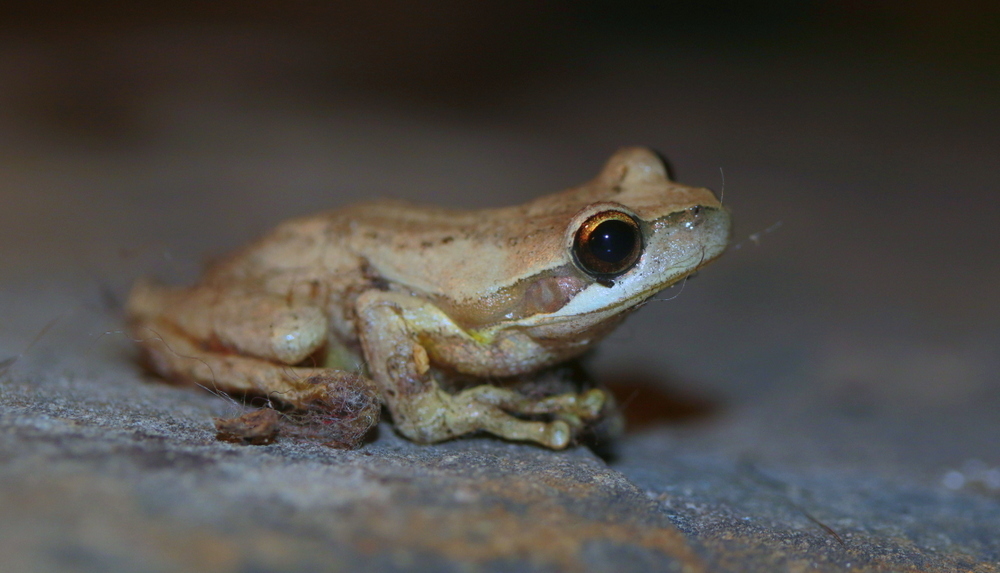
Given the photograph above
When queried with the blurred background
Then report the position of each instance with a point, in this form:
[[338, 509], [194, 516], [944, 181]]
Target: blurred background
[[854, 322]]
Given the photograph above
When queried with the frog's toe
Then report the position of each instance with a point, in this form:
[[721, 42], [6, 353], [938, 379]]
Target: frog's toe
[[591, 403], [558, 435]]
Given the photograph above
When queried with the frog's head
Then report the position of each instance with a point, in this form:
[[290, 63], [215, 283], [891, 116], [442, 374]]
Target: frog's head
[[628, 234], [642, 232]]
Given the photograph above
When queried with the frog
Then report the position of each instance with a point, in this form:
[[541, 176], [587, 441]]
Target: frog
[[386, 303]]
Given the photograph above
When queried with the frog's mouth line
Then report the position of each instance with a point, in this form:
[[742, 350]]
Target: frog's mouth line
[[640, 298], [630, 303]]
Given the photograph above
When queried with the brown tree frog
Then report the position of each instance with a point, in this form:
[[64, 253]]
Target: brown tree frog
[[389, 302]]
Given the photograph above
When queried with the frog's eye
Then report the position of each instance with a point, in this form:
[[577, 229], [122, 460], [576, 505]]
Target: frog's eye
[[607, 244]]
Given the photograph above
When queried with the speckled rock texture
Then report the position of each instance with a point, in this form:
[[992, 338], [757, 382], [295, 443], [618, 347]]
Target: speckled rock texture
[[825, 397]]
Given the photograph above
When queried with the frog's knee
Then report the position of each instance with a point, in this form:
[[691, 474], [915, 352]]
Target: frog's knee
[[295, 334]]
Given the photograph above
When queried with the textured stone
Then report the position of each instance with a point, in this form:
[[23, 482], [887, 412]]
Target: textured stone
[[111, 484]]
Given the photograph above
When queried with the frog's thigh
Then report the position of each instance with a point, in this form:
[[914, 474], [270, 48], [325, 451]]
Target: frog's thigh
[[255, 324], [173, 354], [421, 410]]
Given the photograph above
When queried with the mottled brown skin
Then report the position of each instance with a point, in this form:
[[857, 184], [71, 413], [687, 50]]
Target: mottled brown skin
[[405, 294]]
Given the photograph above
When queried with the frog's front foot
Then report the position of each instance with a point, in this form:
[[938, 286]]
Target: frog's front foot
[[396, 332], [436, 415]]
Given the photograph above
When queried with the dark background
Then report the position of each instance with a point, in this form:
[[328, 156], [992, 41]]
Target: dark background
[[850, 334]]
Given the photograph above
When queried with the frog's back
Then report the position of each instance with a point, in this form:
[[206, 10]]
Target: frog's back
[[295, 255], [451, 252], [447, 252]]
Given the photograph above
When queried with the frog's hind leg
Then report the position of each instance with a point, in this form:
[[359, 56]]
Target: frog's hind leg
[[331, 405], [254, 324]]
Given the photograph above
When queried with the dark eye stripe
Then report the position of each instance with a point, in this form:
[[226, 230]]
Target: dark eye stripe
[[607, 244]]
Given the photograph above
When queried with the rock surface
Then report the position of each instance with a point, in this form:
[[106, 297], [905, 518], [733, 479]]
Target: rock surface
[[114, 473]]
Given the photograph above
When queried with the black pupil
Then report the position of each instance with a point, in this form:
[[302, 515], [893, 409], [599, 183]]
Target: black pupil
[[612, 241]]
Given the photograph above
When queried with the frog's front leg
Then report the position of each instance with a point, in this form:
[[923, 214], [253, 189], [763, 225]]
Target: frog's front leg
[[574, 409], [397, 330]]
